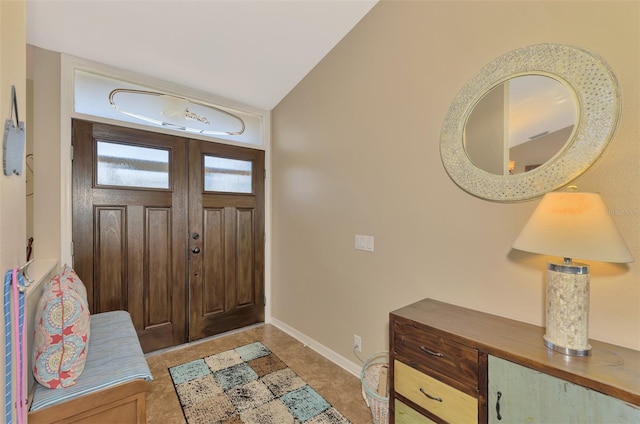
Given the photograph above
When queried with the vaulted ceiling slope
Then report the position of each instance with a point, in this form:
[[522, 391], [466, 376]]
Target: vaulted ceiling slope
[[253, 52]]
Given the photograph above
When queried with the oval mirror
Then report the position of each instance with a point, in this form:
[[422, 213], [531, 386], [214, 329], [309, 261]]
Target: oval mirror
[[529, 122], [520, 124]]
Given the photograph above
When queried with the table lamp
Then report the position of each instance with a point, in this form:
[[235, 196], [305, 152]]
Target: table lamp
[[571, 225]]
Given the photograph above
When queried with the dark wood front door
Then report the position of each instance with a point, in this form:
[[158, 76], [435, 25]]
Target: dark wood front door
[[134, 194], [226, 221]]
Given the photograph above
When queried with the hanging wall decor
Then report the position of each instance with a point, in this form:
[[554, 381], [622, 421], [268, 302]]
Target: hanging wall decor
[[13, 140]]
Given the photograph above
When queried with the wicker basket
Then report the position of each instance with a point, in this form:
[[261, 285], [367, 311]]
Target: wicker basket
[[370, 378]]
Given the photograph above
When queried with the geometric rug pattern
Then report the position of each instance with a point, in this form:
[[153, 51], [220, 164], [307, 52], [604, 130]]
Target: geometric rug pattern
[[250, 385]]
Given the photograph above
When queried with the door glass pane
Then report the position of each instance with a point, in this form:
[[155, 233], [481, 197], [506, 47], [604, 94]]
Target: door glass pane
[[132, 166], [228, 175]]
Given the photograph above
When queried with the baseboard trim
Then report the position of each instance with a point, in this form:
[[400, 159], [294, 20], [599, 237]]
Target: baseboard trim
[[334, 357]]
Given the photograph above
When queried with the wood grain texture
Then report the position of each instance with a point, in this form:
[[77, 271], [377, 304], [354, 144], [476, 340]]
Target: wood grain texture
[[408, 415], [110, 271], [124, 403], [227, 275], [452, 362], [449, 404], [531, 396], [129, 242], [158, 279], [245, 247], [135, 247], [612, 370], [213, 276]]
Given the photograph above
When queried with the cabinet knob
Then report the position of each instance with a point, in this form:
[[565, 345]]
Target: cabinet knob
[[196, 250]]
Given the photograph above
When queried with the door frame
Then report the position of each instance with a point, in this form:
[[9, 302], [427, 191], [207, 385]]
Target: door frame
[[68, 65]]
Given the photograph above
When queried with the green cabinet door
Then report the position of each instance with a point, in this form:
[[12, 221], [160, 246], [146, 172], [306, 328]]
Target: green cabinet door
[[521, 395]]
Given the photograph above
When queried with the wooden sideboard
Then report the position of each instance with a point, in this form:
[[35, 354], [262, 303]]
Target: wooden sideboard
[[457, 365]]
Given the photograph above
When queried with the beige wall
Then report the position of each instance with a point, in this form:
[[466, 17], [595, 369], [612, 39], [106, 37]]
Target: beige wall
[[356, 151], [12, 188], [45, 68]]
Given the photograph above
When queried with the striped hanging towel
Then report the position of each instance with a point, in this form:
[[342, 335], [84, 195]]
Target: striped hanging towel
[[15, 336]]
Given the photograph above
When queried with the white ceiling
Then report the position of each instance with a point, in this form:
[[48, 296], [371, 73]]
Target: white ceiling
[[253, 52]]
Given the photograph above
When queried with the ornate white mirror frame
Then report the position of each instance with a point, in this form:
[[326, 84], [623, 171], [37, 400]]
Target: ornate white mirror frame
[[598, 104]]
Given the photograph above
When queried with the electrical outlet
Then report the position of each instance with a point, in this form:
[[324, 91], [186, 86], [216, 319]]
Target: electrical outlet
[[357, 343]]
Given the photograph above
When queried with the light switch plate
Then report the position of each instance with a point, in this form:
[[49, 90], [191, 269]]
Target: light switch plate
[[364, 243]]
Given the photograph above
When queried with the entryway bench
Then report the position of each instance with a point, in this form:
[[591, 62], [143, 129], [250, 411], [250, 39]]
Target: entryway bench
[[112, 387]]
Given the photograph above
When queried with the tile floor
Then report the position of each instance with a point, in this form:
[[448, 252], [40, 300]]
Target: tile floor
[[340, 388]]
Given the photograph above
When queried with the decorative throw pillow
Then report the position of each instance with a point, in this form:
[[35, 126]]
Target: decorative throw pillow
[[61, 338], [69, 276]]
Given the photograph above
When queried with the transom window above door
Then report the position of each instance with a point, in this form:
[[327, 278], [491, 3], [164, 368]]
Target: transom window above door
[[110, 98]]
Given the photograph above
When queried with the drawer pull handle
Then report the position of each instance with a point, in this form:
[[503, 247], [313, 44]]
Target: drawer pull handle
[[429, 396], [498, 406], [430, 352]]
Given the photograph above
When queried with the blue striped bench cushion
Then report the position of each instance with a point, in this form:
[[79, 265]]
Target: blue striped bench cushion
[[114, 357]]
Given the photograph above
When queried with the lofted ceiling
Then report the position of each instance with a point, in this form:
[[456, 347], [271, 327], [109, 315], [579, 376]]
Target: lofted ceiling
[[253, 52]]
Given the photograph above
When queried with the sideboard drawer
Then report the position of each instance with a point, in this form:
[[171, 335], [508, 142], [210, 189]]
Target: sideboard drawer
[[432, 354], [407, 415], [436, 397]]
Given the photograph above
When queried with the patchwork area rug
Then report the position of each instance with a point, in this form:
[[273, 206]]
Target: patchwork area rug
[[251, 385]]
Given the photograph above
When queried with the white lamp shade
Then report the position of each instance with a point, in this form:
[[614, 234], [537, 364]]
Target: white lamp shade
[[573, 225]]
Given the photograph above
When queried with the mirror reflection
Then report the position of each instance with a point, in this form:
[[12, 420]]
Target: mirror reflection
[[520, 124]]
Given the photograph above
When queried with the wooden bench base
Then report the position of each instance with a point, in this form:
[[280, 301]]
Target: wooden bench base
[[124, 403]]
